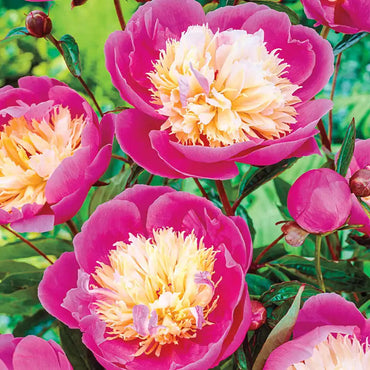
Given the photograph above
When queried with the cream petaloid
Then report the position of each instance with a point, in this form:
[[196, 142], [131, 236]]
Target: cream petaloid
[[223, 88]]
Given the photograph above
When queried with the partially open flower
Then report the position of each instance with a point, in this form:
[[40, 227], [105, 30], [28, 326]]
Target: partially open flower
[[330, 333], [52, 150], [294, 235], [149, 282], [31, 353], [320, 201], [234, 85], [347, 16], [38, 23]]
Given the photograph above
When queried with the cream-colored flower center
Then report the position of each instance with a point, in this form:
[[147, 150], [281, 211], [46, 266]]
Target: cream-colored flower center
[[337, 353], [157, 290], [30, 151], [222, 88]]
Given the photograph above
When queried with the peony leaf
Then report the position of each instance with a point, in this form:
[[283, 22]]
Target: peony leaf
[[21, 302], [71, 54], [34, 324], [257, 284], [348, 41], [281, 332], [347, 149], [15, 33]]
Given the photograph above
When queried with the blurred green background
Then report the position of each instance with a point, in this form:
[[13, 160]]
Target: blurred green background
[[90, 25]]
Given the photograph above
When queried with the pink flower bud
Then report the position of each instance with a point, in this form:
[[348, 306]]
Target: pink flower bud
[[259, 315], [38, 23], [360, 183], [320, 201], [294, 235]]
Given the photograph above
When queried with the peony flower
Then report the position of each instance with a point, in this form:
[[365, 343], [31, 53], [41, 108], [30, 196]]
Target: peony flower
[[52, 150], [31, 353], [320, 201], [149, 282], [347, 16], [360, 160], [330, 333], [234, 85]]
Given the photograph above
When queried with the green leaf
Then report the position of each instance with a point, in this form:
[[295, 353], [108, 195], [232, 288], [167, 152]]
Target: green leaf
[[257, 176], [279, 293], [257, 284], [277, 251], [348, 41], [15, 33], [21, 302], [338, 275], [71, 54], [20, 280], [241, 359], [282, 188], [78, 355], [209, 7], [241, 211], [34, 324], [293, 16], [20, 249], [280, 333], [104, 193], [346, 150]]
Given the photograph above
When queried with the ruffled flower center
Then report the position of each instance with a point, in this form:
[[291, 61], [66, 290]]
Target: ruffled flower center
[[157, 290], [30, 151], [222, 88], [341, 352]]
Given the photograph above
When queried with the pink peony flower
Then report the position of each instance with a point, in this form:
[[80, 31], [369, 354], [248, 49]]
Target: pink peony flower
[[52, 150], [149, 282], [320, 201], [360, 160], [234, 85], [330, 333], [347, 16], [31, 353]]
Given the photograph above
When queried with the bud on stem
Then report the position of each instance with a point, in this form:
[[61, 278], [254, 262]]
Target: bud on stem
[[38, 24], [360, 183], [259, 315]]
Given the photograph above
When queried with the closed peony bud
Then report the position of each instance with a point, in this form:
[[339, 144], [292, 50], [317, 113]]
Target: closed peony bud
[[259, 315], [78, 3], [294, 234], [360, 183], [38, 23]]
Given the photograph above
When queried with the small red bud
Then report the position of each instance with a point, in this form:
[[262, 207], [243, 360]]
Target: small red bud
[[259, 315], [294, 234], [78, 3], [360, 183], [38, 23]]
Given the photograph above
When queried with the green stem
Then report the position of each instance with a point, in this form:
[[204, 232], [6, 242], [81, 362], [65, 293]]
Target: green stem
[[324, 32], [320, 278], [224, 199], [28, 243]]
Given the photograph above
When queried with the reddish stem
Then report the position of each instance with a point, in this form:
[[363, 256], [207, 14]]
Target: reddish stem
[[224, 199], [122, 22], [72, 226], [150, 179], [331, 249], [204, 193], [260, 256], [28, 243], [330, 128]]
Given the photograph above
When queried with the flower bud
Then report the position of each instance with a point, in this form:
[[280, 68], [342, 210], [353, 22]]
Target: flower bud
[[259, 315], [38, 23], [78, 3], [360, 183], [294, 234]]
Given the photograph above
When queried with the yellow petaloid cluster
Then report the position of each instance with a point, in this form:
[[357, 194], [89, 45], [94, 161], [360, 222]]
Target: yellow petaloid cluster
[[30, 151], [337, 353], [158, 289], [222, 88]]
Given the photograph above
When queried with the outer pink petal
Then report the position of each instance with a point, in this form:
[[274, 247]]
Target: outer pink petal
[[327, 309], [7, 347], [361, 156], [220, 170], [116, 220], [143, 197], [358, 216], [132, 130], [301, 348], [359, 13], [58, 279], [35, 353], [39, 85], [37, 224]]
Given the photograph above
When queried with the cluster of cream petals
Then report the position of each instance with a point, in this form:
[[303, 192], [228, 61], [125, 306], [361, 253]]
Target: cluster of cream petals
[[30, 151], [222, 88], [157, 289], [337, 353]]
